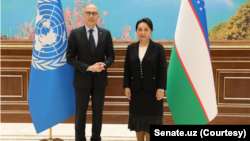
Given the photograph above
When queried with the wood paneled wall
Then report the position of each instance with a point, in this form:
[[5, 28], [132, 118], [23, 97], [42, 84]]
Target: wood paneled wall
[[231, 69]]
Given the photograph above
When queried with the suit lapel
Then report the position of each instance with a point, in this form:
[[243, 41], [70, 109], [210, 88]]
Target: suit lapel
[[100, 35], [136, 49], [85, 38], [150, 49]]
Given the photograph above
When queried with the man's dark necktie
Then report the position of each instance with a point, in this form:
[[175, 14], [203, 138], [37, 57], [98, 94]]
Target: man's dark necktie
[[92, 41]]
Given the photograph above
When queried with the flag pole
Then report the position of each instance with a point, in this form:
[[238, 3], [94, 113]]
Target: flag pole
[[50, 133], [50, 137]]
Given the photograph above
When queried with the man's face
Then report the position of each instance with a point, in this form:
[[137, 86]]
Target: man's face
[[91, 16]]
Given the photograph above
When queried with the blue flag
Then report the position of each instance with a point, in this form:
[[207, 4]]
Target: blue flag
[[51, 94]]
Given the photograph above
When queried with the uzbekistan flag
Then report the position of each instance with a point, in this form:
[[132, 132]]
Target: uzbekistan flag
[[190, 89]]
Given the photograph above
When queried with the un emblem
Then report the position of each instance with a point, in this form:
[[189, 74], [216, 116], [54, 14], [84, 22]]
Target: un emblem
[[50, 41]]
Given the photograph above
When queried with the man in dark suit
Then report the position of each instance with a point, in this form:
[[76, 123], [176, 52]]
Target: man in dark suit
[[87, 47]]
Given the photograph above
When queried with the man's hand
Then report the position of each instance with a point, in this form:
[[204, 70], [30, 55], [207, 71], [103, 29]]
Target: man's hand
[[97, 67]]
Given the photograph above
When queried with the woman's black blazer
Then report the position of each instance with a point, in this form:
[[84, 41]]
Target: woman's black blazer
[[149, 75]]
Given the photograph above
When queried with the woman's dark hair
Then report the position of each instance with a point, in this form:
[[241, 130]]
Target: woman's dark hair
[[147, 21]]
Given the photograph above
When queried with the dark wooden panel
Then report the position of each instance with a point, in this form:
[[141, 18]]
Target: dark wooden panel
[[122, 118], [15, 117], [115, 87], [230, 89], [234, 110], [14, 86], [16, 107], [240, 85], [230, 120], [11, 85]]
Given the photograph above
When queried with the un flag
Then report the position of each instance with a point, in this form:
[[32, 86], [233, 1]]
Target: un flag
[[51, 94]]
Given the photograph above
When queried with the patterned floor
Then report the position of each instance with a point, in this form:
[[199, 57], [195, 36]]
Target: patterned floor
[[65, 132]]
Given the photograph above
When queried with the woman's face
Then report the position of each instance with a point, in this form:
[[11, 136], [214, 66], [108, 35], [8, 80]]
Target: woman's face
[[143, 31]]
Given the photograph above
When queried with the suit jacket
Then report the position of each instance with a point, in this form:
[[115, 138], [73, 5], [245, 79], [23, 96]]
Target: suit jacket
[[151, 74], [79, 55]]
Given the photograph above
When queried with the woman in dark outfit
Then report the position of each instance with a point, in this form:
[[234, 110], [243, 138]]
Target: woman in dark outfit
[[145, 78]]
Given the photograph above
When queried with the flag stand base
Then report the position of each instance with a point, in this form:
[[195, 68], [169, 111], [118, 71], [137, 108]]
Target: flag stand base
[[55, 139]]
